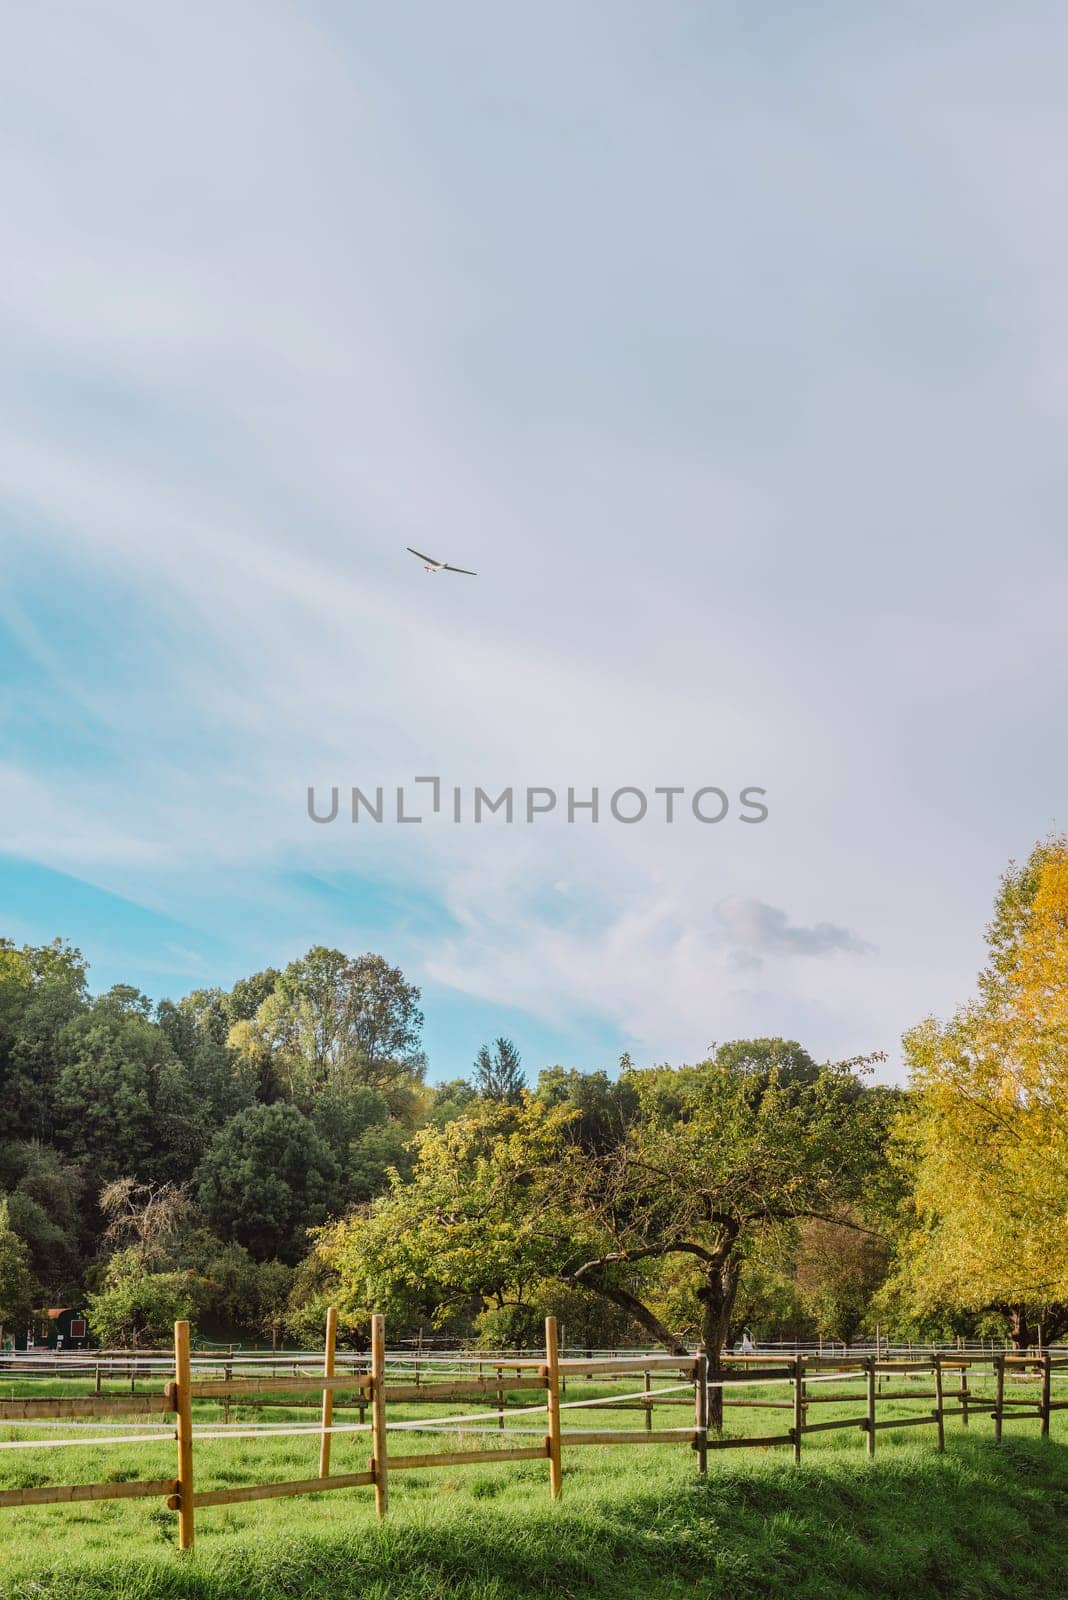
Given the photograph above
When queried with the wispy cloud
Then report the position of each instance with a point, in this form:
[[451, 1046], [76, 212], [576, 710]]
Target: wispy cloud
[[720, 376]]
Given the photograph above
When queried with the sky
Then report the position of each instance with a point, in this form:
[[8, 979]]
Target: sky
[[725, 343]]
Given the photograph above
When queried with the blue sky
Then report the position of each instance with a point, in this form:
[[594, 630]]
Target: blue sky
[[725, 344]]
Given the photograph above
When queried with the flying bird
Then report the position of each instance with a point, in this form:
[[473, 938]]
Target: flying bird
[[438, 566]]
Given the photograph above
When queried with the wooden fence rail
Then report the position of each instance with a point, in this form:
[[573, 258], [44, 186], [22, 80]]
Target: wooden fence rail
[[802, 1375]]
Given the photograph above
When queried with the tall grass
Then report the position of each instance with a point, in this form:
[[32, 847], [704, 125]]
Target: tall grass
[[635, 1524]]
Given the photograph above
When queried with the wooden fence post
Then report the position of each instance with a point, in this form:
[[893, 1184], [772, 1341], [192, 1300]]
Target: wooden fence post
[[999, 1401], [1047, 1373], [328, 1394], [963, 1395], [939, 1403], [183, 1404], [799, 1407], [379, 1463], [552, 1402], [700, 1409], [870, 1420], [648, 1388]]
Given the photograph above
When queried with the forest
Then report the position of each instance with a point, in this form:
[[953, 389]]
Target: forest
[[244, 1157]]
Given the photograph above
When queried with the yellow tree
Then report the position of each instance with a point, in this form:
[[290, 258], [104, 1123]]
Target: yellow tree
[[987, 1128]]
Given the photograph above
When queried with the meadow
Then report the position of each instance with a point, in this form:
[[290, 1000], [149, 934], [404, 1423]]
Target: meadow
[[977, 1521]]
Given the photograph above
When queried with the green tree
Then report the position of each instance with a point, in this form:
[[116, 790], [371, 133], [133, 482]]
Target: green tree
[[274, 1289], [839, 1271], [122, 1101], [704, 1172], [764, 1061], [469, 1231], [365, 1140], [106, 1090], [499, 1072], [135, 1309], [217, 1079], [335, 1019], [604, 1107], [450, 1100], [267, 1178], [230, 1280], [240, 1293], [17, 1286], [42, 988], [45, 1194]]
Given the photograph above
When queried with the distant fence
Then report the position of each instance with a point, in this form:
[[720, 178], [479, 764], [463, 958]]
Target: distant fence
[[366, 1388]]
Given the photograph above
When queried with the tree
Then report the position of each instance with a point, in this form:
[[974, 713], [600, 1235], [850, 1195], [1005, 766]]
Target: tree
[[604, 1107], [839, 1270], [763, 1060], [147, 1220], [267, 1178], [231, 1282], [272, 1302], [122, 1099], [985, 1135], [335, 1019], [499, 1073], [450, 1100], [17, 1287], [469, 1230], [218, 1080], [45, 1196], [105, 1091], [137, 1309], [706, 1171], [509, 1197], [42, 989], [248, 1075], [366, 1142], [248, 994]]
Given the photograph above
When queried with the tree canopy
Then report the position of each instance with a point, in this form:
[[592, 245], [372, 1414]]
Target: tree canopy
[[697, 1175], [499, 1072], [267, 1177], [332, 1019], [985, 1132], [253, 1153], [137, 1141]]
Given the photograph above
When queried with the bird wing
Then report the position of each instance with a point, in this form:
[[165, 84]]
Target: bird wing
[[421, 556], [464, 570]]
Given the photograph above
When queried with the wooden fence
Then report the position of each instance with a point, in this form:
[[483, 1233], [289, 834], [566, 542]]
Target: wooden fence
[[802, 1376]]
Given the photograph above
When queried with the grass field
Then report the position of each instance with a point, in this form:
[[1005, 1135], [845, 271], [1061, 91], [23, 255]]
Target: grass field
[[635, 1521]]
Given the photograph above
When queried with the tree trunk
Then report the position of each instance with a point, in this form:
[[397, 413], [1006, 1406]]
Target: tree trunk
[[1025, 1326], [1020, 1330], [1054, 1323], [717, 1305]]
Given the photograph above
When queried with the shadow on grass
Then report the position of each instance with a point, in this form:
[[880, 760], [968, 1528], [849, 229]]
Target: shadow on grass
[[978, 1523]]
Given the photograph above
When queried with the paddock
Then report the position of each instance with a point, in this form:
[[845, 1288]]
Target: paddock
[[486, 1410]]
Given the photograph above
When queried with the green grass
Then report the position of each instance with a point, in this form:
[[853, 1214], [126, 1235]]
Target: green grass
[[636, 1523]]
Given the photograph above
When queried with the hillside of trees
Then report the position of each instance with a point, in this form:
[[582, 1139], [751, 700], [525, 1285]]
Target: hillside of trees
[[244, 1157]]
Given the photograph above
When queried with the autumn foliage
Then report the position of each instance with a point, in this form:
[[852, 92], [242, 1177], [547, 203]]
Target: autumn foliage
[[987, 1127]]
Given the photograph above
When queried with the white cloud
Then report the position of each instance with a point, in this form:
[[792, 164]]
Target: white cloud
[[714, 369]]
